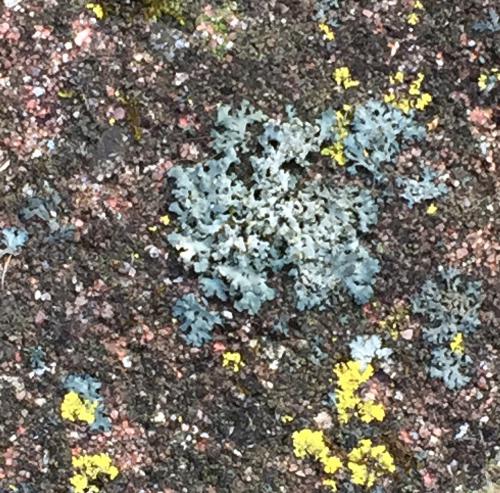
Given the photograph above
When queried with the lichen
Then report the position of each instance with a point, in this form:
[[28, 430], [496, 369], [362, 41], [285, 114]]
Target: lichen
[[368, 463], [233, 361], [74, 408], [350, 376], [89, 469]]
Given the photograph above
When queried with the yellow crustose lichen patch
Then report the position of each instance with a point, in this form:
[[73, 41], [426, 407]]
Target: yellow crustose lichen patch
[[457, 343], [413, 18], [232, 361], [349, 403], [97, 9], [309, 443], [165, 220], [342, 76], [432, 209], [74, 408], [89, 468], [368, 463], [414, 98], [342, 122], [329, 35]]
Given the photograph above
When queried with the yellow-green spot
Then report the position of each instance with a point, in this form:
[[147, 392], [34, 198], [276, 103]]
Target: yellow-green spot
[[432, 209], [233, 361], [413, 19], [457, 343], [327, 31], [397, 78], [65, 94], [488, 79], [97, 9]]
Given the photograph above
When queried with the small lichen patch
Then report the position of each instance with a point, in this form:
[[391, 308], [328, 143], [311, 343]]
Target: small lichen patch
[[97, 9], [343, 78], [328, 33], [457, 343], [233, 361], [432, 209], [337, 150]]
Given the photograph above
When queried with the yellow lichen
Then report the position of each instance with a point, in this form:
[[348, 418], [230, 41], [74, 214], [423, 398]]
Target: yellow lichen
[[413, 19], [390, 97], [350, 377], [330, 483], [422, 101], [397, 78], [80, 483], [97, 9], [367, 463], [331, 464], [488, 79], [309, 443], [342, 122], [66, 94], [88, 468], [403, 104], [415, 86], [232, 361], [359, 474], [342, 76], [457, 343], [172, 8], [370, 411], [336, 152], [432, 209], [165, 220], [74, 408], [327, 31], [482, 82], [413, 98]]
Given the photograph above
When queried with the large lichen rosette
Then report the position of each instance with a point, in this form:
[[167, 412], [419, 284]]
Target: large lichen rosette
[[253, 211]]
